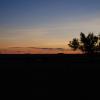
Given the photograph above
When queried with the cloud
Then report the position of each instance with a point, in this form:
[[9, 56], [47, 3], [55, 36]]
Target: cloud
[[36, 50]]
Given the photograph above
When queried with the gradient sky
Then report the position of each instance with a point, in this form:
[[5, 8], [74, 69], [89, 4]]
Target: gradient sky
[[46, 23]]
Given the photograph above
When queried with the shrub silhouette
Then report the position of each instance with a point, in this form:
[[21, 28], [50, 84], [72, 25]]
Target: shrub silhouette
[[87, 44]]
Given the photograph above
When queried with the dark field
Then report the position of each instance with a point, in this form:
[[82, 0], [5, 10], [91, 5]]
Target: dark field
[[60, 76]]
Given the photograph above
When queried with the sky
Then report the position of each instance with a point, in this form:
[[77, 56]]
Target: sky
[[46, 23]]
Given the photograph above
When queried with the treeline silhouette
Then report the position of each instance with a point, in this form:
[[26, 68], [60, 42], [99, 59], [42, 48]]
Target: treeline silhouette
[[89, 44]]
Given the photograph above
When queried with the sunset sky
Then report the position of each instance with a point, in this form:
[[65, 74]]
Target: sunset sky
[[46, 23]]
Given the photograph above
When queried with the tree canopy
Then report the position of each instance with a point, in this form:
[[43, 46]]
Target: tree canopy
[[87, 44]]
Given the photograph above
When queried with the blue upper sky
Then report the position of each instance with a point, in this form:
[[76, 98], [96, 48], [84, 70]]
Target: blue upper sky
[[46, 23]]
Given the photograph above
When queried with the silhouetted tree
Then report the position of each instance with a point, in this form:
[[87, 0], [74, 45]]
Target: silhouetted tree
[[98, 44], [87, 44], [74, 44]]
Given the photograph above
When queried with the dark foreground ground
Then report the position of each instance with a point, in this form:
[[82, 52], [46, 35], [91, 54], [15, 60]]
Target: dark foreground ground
[[51, 76]]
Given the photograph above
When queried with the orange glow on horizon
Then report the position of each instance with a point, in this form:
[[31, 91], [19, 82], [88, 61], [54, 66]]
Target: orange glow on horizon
[[32, 50]]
